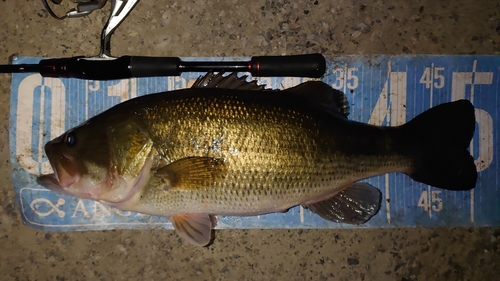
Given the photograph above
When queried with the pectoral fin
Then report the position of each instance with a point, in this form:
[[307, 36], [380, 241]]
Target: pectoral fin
[[195, 228], [354, 205], [191, 172]]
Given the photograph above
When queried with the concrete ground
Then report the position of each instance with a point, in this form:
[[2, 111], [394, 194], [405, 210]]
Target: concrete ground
[[244, 28]]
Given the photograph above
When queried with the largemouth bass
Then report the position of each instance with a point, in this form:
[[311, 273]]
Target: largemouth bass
[[229, 147]]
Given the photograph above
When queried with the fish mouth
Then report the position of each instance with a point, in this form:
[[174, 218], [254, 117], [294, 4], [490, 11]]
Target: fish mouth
[[51, 182], [66, 170]]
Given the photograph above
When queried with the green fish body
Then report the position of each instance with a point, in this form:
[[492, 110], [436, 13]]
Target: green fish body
[[228, 147]]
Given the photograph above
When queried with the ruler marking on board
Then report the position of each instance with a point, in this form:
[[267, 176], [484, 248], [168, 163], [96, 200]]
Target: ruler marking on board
[[387, 189], [474, 68]]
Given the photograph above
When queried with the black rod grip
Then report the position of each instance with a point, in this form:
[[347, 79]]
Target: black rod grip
[[109, 69], [154, 66], [86, 68], [310, 65]]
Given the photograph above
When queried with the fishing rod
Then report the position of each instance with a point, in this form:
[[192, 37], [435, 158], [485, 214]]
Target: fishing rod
[[106, 67], [310, 65]]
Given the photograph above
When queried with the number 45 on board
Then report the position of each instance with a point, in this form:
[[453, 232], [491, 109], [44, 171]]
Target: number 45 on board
[[429, 200], [428, 77]]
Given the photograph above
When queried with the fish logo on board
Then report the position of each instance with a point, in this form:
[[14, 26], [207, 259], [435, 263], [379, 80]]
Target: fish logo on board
[[37, 206]]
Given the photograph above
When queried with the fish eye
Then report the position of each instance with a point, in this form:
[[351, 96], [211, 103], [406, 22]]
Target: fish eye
[[70, 138]]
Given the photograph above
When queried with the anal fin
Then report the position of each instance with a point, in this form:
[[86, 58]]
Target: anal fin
[[195, 228], [354, 205]]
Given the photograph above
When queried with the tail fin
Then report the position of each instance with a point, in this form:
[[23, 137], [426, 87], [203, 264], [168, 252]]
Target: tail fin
[[443, 134]]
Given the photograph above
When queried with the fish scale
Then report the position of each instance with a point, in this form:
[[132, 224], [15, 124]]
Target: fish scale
[[277, 142]]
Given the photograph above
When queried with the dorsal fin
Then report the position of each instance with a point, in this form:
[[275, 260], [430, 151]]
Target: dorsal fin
[[212, 80], [316, 91], [322, 93]]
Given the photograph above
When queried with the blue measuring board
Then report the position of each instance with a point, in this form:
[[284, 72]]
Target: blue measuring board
[[381, 90]]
